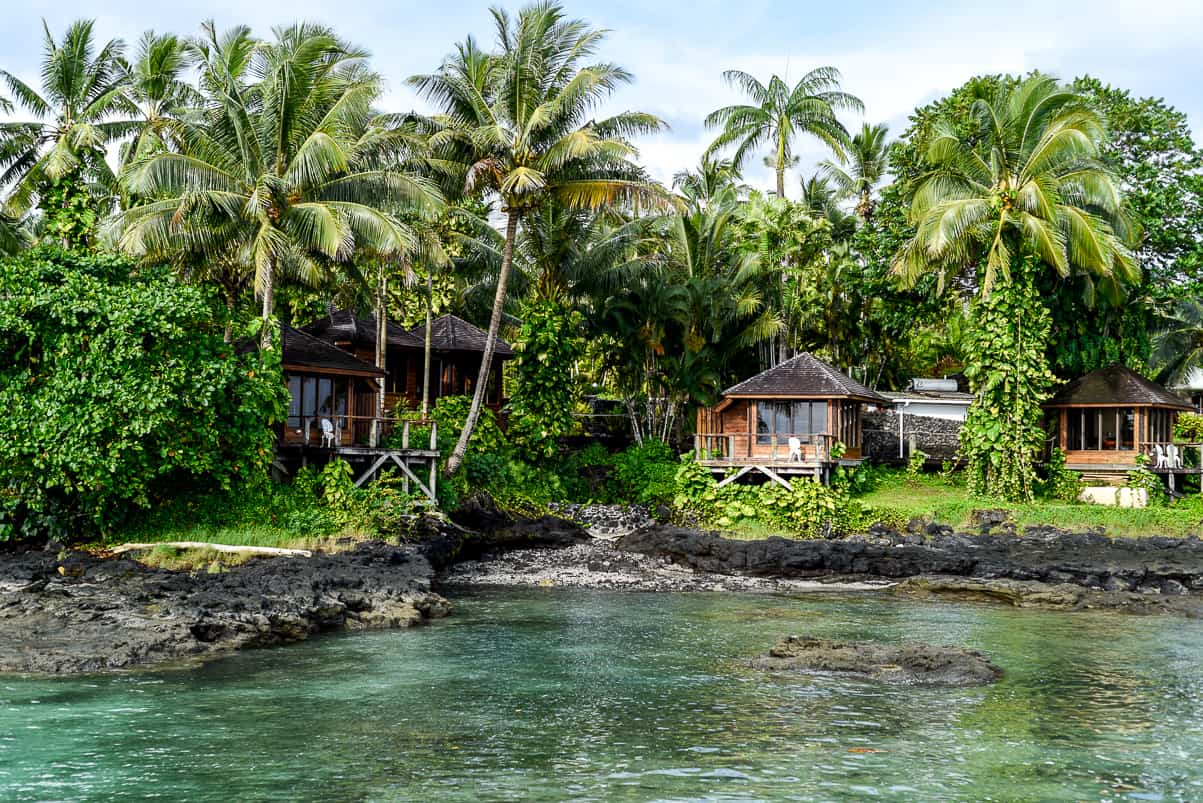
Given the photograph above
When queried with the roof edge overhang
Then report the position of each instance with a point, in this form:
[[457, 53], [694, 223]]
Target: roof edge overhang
[[299, 368]]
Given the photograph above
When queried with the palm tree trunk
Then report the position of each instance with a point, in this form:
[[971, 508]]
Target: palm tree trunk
[[780, 180], [486, 359], [229, 333], [268, 306], [381, 353], [426, 350]]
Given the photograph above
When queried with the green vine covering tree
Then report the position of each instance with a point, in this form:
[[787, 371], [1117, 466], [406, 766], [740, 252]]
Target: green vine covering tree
[[548, 347], [1008, 370]]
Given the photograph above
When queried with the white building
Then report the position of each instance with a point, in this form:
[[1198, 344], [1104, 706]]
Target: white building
[[933, 398]]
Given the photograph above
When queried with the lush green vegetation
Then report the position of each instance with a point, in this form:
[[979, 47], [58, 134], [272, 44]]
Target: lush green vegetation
[[164, 207]]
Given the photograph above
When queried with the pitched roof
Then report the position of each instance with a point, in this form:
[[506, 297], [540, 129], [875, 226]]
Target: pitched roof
[[803, 375], [451, 333], [306, 351], [344, 325], [1115, 384]]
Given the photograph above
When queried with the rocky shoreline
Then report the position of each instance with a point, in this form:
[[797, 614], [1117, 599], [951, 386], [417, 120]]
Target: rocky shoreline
[[76, 612], [64, 612]]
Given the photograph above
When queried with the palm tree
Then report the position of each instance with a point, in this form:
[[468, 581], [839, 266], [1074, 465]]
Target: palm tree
[[518, 121], [1023, 188], [281, 168], [1178, 341], [158, 90], [778, 114], [1027, 179], [822, 201], [716, 181], [81, 110], [858, 172]]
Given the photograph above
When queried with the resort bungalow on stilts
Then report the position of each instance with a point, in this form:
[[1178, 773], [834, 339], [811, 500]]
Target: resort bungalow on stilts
[[800, 418], [1105, 419], [335, 386]]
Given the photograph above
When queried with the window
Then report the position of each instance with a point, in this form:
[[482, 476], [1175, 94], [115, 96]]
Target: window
[[782, 419], [849, 424], [1161, 425], [313, 397], [1100, 429], [397, 366]]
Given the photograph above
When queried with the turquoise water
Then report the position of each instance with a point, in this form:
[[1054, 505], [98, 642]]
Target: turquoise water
[[577, 695]]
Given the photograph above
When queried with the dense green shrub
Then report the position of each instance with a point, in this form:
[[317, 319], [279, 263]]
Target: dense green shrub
[[645, 475], [1189, 428], [1060, 483], [810, 509], [118, 389], [1141, 477]]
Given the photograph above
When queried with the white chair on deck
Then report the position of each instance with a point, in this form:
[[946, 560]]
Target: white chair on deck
[[1173, 457], [1158, 456], [795, 449], [327, 433]]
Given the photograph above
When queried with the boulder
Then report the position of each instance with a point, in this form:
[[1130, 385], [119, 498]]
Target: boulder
[[904, 664]]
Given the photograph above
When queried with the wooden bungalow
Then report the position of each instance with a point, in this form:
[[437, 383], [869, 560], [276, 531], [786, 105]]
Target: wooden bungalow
[[332, 413], [325, 383], [785, 421], [456, 349], [1104, 419]]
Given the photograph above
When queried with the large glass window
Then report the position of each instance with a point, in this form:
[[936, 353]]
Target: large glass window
[[314, 397], [789, 419], [1100, 429]]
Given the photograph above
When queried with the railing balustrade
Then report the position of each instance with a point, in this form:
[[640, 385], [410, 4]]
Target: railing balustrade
[[364, 430], [743, 447]]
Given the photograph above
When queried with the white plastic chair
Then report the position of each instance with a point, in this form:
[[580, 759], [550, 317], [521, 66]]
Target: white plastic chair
[[1158, 456], [1173, 457], [327, 432], [795, 449]]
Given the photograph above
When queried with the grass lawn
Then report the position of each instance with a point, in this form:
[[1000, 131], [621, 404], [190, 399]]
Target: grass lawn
[[950, 503]]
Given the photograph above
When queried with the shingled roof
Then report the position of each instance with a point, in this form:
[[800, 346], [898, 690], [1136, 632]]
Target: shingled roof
[[302, 350], [1116, 384], [346, 326], [451, 333], [804, 375]]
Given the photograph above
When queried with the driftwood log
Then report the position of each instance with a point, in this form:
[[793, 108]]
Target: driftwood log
[[243, 550]]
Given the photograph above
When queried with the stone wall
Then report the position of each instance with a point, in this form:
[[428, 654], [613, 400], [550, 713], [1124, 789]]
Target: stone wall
[[938, 437]]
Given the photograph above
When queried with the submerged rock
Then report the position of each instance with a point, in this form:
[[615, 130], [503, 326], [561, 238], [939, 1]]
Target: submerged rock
[[904, 664], [1171, 597]]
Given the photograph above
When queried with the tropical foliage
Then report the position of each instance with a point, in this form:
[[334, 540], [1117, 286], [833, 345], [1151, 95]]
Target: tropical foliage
[[118, 390], [1019, 231]]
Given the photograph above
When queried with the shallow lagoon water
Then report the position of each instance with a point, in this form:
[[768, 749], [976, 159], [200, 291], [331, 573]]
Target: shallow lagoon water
[[582, 695]]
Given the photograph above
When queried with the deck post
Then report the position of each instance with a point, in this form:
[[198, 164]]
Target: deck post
[[697, 447], [405, 434]]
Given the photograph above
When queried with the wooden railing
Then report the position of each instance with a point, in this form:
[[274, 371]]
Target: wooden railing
[[365, 430], [743, 447]]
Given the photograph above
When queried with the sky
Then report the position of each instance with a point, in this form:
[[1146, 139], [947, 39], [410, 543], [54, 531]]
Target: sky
[[893, 55]]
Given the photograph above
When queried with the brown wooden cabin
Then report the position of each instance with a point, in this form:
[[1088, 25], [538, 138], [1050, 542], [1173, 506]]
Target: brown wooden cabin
[[803, 398], [1104, 419], [456, 349], [325, 382]]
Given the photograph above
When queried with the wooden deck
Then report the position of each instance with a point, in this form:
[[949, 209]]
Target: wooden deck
[[418, 463], [736, 455]]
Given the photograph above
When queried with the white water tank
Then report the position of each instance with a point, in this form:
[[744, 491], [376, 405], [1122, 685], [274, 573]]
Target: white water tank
[[934, 385]]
